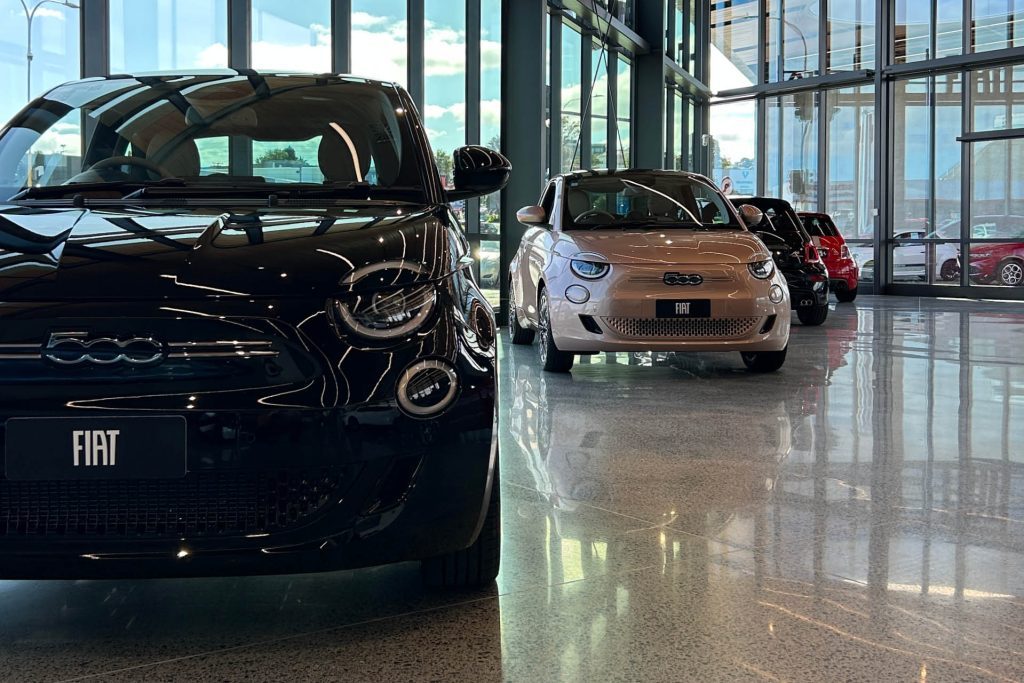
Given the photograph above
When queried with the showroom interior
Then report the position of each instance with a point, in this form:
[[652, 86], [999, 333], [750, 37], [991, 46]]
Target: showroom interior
[[856, 515]]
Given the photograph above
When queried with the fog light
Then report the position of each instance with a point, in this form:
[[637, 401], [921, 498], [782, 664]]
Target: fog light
[[818, 286], [578, 294], [776, 294], [427, 388]]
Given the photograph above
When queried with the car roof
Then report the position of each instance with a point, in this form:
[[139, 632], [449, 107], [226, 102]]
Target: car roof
[[611, 173]]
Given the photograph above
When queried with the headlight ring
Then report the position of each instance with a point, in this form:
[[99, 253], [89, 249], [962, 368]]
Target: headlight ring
[[762, 270], [589, 266], [393, 310]]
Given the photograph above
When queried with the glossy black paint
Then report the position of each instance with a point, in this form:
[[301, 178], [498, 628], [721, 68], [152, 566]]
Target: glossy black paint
[[305, 436], [788, 252]]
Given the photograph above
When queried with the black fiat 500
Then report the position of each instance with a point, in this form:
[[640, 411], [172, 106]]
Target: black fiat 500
[[783, 232], [240, 333]]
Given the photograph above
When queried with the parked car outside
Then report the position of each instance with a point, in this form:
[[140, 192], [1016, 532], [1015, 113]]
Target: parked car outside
[[843, 272]]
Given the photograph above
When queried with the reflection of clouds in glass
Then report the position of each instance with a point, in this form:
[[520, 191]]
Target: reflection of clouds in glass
[[365, 20], [213, 57], [733, 127], [380, 53], [444, 51]]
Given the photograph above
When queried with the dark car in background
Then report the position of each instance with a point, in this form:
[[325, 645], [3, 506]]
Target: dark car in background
[[843, 273], [795, 254], [208, 367]]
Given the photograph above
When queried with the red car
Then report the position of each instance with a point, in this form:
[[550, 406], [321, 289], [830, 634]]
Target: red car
[[843, 272], [1000, 264]]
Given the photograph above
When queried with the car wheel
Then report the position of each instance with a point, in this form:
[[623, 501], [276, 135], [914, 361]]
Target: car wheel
[[476, 566], [813, 316], [551, 358], [764, 361], [1011, 273], [949, 271], [846, 295], [519, 335]]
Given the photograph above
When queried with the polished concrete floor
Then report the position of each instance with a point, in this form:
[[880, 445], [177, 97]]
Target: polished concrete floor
[[858, 516]]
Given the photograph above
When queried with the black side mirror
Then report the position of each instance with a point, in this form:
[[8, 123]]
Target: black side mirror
[[478, 171]]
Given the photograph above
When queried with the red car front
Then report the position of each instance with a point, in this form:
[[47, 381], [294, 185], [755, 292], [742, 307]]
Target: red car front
[[843, 271], [999, 264]]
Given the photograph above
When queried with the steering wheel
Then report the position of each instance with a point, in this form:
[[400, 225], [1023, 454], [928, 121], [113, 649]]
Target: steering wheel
[[594, 214], [114, 162]]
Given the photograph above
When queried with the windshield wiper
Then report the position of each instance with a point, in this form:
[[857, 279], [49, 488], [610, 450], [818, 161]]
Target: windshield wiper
[[73, 189]]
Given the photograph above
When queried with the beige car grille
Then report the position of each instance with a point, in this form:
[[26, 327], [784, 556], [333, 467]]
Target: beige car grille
[[674, 328]]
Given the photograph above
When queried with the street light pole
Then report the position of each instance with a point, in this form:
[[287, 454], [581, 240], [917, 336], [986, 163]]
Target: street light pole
[[30, 14]]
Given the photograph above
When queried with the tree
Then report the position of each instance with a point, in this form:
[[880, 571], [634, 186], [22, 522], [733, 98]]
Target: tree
[[444, 163], [281, 154]]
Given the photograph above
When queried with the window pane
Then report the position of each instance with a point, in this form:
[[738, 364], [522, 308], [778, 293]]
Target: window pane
[[851, 161], [997, 212], [153, 35], [734, 42], [598, 142], [734, 147], [490, 135], [623, 106], [912, 38], [998, 98], [950, 23], [677, 134], [948, 127], [54, 48], [997, 24], [379, 36], [792, 149], [572, 106], [851, 38], [291, 36], [444, 112], [792, 39], [598, 106]]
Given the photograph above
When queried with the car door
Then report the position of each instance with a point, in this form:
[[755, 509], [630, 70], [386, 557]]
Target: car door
[[534, 253], [908, 259]]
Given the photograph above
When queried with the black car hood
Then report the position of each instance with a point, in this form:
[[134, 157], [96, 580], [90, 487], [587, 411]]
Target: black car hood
[[184, 253]]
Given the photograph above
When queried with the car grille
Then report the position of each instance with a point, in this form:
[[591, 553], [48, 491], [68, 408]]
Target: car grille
[[200, 504], [674, 328]]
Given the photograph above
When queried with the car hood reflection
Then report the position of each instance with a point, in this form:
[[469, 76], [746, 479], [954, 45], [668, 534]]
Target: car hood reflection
[[665, 246]]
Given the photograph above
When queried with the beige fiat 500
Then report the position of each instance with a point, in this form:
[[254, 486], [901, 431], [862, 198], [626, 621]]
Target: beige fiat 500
[[644, 261]]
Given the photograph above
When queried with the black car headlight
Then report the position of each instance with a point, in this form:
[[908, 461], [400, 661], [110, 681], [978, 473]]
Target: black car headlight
[[385, 301], [762, 270], [589, 266]]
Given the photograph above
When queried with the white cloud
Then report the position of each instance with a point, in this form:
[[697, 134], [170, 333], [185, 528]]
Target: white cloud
[[365, 20], [269, 55], [380, 54], [212, 57], [444, 50]]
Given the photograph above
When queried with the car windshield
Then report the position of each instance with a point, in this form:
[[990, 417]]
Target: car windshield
[[780, 222], [818, 226], [639, 200], [229, 131]]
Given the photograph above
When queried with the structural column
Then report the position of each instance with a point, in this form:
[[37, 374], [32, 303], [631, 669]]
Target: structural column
[[522, 117], [649, 136], [95, 38]]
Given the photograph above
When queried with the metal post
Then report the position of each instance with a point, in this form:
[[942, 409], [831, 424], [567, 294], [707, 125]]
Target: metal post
[[341, 36], [584, 154], [554, 96], [473, 90], [94, 38], [649, 138], [416, 38], [522, 118]]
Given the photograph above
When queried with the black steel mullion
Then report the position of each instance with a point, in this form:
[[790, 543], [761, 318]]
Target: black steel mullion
[[933, 35], [240, 57], [473, 97], [94, 38], [823, 111], [824, 47], [415, 28], [586, 99], [884, 162], [612, 121], [670, 133], [341, 36], [966, 178]]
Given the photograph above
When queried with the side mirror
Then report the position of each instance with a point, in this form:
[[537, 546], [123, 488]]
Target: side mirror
[[478, 171], [532, 215], [751, 215]]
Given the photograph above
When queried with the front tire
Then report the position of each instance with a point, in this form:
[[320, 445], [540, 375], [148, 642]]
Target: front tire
[[1011, 273], [551, 358], [519, 335], [846, 295], [813, 317], [477, 566], [764, 361]]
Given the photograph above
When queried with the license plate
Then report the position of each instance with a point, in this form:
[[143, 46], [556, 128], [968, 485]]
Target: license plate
[[683, 308], [42, 449]]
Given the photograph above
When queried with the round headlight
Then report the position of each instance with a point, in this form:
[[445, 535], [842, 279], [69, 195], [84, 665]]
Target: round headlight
[[587, 269], [378, 305], [578, 294], [776, 294], [762, 270]]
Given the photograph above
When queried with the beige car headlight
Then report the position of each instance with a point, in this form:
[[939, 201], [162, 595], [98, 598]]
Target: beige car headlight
[[589, 266], [762, 270]]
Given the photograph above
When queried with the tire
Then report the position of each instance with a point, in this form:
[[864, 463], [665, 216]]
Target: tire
[[1011, 273], [846, 295], [813, 317], [551, 359], [476, 566], [764, 361], [949, 271], [519, 335]]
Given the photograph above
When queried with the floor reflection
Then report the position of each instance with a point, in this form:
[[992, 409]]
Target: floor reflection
[[858, 516]]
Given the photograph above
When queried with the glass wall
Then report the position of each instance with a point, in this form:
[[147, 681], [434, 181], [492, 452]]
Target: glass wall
[[444, 110], [290, 36], [792, 27], [734, 41], [180, 34], [623, 112], [379, 38], [851, 35], [850, 176], [791, 145], [734, 147], [489, 252], [55, 31], [571, 99], [598, 107]]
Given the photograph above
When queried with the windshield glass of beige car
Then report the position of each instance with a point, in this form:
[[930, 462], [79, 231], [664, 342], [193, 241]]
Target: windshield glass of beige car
[[639, 201]]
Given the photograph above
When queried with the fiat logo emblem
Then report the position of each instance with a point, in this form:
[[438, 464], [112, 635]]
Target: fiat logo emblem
[[76, 348], [682, 279]]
